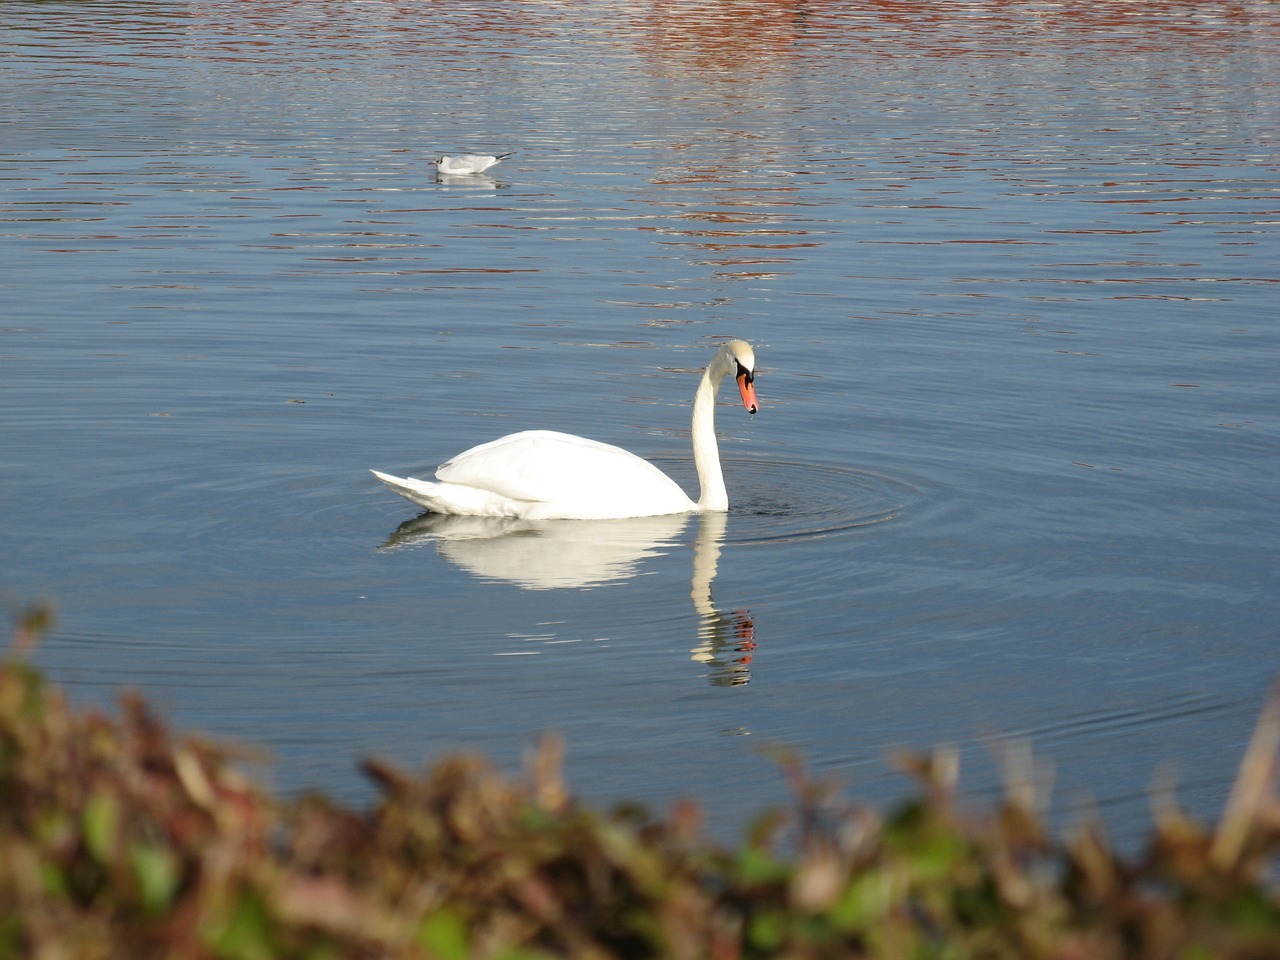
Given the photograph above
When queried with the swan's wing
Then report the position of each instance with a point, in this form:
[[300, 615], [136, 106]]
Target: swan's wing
[[544, 466]]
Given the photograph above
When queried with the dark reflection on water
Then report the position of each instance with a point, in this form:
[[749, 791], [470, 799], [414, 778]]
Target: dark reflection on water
[[1010, 268]]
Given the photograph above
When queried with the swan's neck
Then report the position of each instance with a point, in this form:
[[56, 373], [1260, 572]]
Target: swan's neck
[[706, 452]]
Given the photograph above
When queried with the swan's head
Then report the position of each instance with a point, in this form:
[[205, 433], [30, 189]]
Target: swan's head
[[736, 357]]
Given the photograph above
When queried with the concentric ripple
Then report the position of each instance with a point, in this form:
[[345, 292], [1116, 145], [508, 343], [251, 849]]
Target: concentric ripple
[[776, 501]]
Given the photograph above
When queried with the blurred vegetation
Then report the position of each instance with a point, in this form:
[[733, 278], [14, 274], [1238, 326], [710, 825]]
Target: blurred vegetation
[[122, 839]]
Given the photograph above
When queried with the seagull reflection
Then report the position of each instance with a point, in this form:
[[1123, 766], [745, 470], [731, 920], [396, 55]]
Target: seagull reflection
[[561, 554], [470, 180]]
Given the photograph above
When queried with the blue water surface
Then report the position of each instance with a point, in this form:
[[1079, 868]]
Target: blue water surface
[[1011, 274]]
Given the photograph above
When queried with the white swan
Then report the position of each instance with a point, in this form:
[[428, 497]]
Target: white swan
[[543, 475]]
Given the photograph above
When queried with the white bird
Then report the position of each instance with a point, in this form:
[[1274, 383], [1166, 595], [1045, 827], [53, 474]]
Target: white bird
[[544, 475], [467, 163]]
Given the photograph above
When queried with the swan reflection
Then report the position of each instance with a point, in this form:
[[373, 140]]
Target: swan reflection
[[726, 641], [562, 554], [543, 554]]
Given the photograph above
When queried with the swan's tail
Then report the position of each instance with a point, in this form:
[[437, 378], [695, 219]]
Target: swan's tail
[[421, 492], [450, 498]]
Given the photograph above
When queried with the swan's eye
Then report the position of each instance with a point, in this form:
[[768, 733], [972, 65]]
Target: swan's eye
[[744, 372]]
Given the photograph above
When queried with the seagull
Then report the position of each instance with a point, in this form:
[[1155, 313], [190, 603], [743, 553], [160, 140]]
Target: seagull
[[467, 163]]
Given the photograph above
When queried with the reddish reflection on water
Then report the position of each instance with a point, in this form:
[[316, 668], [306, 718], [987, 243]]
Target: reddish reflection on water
[[1017, 252], [722, 38]]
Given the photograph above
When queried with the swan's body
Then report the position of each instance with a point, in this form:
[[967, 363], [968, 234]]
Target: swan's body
[[543, 475], [467, 163]]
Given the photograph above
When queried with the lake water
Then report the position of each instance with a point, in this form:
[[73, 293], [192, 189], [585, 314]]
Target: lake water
[[1011, 271]]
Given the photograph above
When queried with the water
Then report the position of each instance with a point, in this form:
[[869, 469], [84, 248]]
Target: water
[[1010, 271]]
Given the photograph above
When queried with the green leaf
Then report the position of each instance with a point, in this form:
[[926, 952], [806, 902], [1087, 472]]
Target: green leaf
[[865, 902], [935, 856], [101, 825], [245, 935], [445, 935], [767, 930], [759, 866], [157, 873], [54, 880]]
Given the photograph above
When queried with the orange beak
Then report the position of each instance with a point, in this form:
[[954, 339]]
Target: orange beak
[[748, 391]]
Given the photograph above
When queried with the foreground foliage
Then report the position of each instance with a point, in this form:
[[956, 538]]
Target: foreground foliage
[[120, 839]]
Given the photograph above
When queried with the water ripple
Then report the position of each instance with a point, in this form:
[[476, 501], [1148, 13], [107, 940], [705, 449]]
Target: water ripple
[[778, 501]]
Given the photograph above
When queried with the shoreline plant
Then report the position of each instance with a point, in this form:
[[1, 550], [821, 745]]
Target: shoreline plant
[[122, 839]]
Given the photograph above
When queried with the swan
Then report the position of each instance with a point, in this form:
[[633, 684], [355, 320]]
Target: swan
[[545, 475], [467, 163]]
